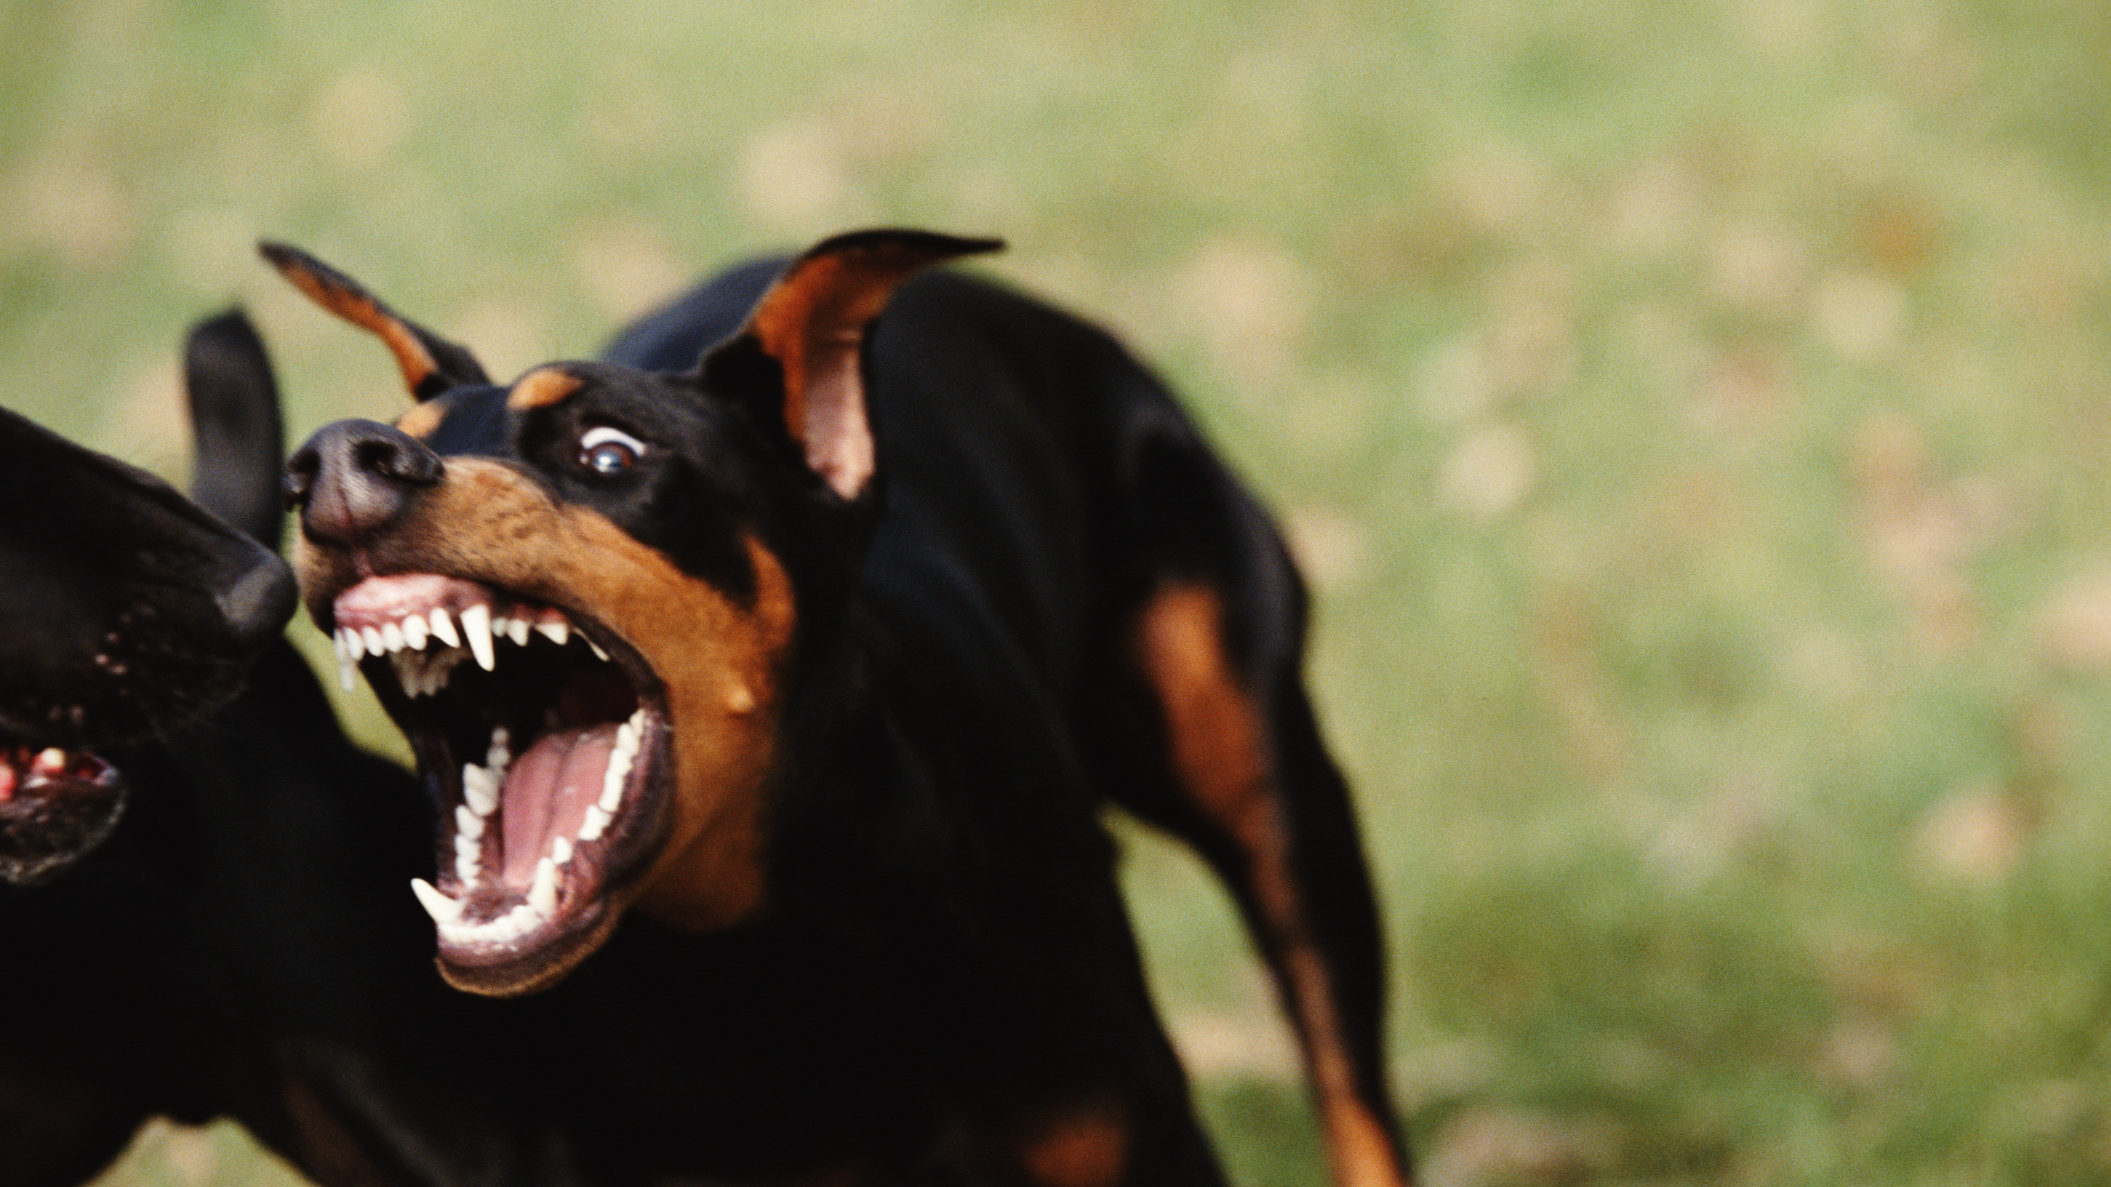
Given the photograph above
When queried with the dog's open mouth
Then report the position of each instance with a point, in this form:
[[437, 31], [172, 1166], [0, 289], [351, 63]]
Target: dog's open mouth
[[55, 805], [545, 740]]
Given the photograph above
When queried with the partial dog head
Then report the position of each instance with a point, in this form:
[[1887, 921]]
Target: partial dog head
[[126, 610], [578, 593]]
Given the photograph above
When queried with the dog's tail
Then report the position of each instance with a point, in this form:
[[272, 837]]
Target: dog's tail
[[235, 425]]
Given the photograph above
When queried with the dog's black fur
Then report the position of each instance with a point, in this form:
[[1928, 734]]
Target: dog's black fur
[[909, 961]]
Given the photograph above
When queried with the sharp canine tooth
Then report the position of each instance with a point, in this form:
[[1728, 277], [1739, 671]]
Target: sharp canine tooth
[[443, 910], [392, 636], [556, 630], [415, 631], [344, 663], [598, 652], [561, 850], [595, 824], [443, 627], [372, 639], [543, 895], [476, 623], [467, 822], [354, 647]]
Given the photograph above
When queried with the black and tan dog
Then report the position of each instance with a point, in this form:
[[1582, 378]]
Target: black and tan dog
[[822, 646]]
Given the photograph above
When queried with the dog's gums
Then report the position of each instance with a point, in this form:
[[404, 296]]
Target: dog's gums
[[54, 806], [546, 749]]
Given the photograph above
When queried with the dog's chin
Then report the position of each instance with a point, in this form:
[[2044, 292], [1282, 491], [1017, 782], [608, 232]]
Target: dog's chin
[[55, 807], [544, 740]]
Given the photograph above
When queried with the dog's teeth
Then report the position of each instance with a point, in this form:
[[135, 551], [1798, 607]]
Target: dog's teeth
[[406, 672], [500, 624], [443, 910], [353, 645], [479, 789], [49, 761], [553, 627], [598, 652], [415, 631], [466, 868], [476, 623], [344, 663], [612, 779], [595, 824], [561, 850], [500, 752], [443, 627], [542, 896], [467, 849], [392, 637], [372, 638], [468, 823], [517, 630]]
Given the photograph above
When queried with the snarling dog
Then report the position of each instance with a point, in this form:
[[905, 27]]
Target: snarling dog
[[824, 632], [126, 611]]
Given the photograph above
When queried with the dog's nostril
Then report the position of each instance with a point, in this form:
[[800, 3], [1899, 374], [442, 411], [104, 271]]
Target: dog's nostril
[[300, 476], [391, 460]]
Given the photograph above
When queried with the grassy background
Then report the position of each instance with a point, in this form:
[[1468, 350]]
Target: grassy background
[[1691, 416]]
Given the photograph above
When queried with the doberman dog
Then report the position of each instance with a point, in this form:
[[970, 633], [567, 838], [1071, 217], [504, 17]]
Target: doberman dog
[[813, 622], [126, 612]]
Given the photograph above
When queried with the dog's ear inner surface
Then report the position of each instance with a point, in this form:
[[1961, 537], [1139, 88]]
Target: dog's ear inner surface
[[430, 364], [812, 322]]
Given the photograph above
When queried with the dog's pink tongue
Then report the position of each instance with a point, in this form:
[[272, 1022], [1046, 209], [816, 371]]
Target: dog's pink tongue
[[547, 792]]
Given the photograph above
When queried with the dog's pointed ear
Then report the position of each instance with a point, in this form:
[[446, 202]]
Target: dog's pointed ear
[[430, 364], [240, 444], [812, 322]]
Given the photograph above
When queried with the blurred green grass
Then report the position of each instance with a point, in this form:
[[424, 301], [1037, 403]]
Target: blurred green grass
[[1691, 416]]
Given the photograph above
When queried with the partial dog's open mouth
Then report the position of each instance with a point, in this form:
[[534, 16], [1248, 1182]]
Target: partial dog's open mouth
[[55, 806], [545, 740]]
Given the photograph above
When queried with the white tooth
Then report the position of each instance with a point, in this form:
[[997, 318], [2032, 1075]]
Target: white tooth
[[372, 638], [561, 850], [476, 623], [392, 636], [612, 781], [468, 823], [500, 624], [542, 896], [626, 738], [479, 789], [353, 646], [443, 627], [598, 652], [465, 868], [467, 849], [344, 662], [556, 630], [443, 910], [500, 752], [596, 823], [415, 631], [517, 630]]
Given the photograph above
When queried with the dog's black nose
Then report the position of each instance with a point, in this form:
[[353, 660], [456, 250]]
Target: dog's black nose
[[355, 476]]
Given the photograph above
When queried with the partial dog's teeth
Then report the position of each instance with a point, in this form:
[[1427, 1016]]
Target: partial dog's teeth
[[553, 627], [499, 753], [443, 910], [372, 638], [561, 850], [476, 623], [407, 673], [598, 652], [479, 789], [49, 761], [596, 823], [344, 662], [443, 627], [353, 645], [415, 631], [542, 896], [500, 624], [468, 823], [517, 630], [392, 637], [468, 858]]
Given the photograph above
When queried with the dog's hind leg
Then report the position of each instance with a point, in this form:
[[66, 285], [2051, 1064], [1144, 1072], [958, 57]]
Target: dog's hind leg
[[1198, 722]]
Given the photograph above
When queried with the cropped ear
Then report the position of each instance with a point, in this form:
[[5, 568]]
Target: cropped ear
[[812, 322], [240, 445], [430, 364]]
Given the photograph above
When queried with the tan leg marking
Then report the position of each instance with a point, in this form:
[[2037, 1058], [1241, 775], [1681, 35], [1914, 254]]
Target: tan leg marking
[[1223, 756], [1087, 1147]]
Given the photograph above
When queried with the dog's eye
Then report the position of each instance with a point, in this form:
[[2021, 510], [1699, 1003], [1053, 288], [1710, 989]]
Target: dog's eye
[[609, 452]]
